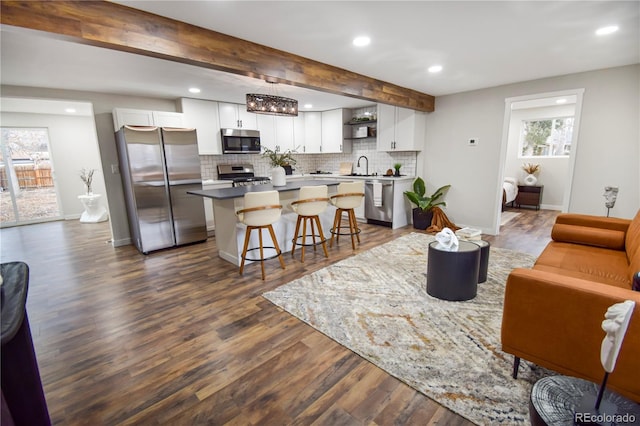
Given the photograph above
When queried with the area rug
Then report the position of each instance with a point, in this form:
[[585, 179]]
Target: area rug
[[375, 304], [506, 217]]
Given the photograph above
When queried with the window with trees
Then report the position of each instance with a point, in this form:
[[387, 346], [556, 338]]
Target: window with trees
[[550, 137]]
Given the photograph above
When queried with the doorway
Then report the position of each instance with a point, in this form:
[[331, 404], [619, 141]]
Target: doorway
[[556, 160], [28, 192]]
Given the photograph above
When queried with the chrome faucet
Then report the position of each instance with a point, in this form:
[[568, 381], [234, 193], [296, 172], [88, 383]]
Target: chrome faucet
[[358, 164]]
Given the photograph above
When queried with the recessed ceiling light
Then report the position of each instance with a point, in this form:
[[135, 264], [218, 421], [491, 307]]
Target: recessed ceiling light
[[194, 90], [561, 101], [607, 30], [361, 41], [70, 110], [435, 68]]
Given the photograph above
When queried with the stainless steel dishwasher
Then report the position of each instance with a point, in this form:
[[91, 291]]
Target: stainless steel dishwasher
[[382, 215]]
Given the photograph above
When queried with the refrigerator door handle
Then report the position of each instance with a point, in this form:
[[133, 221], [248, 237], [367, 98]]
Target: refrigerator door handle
[[151, 183], [185, 182]]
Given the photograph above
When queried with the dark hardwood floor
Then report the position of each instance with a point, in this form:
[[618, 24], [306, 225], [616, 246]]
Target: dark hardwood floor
[[178, 337]]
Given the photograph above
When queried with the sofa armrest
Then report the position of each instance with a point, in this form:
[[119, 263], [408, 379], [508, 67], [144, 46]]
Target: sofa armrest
[[555, 322], [598, 231]]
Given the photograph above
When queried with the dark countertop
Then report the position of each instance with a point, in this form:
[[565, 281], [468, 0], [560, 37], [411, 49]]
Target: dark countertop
[[238, 192]]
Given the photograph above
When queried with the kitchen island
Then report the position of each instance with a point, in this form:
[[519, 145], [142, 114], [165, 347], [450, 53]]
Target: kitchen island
[[230, 233]]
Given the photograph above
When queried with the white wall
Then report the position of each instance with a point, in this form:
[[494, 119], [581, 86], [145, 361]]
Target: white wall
[[608, 151], [553, 171], [103, 105], [74, 146]]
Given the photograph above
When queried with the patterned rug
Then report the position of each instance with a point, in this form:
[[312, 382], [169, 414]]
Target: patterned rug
[[375, 304]]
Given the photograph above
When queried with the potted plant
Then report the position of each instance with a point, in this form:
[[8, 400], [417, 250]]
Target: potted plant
[[423, 212], [278, 161], [397, 167]]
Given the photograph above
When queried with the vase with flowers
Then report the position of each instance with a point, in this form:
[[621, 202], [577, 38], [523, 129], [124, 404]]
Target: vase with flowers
[[278, 161], [531, 170], [87, 177]]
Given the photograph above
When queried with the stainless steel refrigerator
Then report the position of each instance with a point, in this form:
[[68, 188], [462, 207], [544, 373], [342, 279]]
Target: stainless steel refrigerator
[[158, 166]]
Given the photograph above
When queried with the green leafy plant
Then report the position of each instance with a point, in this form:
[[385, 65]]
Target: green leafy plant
[[279, 158], [418, 198], [397, 166]]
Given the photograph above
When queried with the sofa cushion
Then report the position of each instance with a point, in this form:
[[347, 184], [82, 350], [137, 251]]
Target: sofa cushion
[[598, 237], [632, 240], [586, 262]]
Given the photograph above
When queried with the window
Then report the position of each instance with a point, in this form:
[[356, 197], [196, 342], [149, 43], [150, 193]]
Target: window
[[550, 137]]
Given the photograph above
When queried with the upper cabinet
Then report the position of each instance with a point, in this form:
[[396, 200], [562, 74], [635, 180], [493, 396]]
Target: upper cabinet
[[267, 128], [141, 117], [333, 131], [400, 129], [312, 133], [281, 133], [203, 116], [235, 116]]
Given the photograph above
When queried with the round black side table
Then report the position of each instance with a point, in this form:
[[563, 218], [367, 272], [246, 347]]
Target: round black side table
[[484, 259], [558, 401], [453, 275]]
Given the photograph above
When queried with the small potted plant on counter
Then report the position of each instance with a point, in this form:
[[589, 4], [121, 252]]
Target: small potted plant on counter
[[422, 213], [397, 167], [279, 160]]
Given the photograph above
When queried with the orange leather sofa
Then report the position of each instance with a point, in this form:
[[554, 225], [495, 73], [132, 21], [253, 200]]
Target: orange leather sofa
[[554, 311]]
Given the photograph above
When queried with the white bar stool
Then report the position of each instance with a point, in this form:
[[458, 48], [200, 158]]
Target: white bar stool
[[349, 196], [261, 210], [313, 201]]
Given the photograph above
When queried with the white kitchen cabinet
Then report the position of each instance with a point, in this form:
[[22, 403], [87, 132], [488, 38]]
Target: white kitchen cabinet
[[299, 132], [235, 116], [400, 129], [284, 133], [267, 128], [168, 119], [203, 116], [312, 133], [333, 131], [142, 117], [278, 133], [131, 117]]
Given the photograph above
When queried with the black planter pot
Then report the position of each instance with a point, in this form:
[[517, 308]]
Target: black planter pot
[[422, 219]]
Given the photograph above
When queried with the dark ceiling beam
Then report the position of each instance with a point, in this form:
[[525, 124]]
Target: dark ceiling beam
[[118, 27]]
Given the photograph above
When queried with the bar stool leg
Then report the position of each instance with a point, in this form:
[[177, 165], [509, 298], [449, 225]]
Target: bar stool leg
[[304, 237], [275, 244], [244, 248], [355, 224], [351, 229], [322, 238], [334, 230], [313, 231], [295, 235], [261, 252]]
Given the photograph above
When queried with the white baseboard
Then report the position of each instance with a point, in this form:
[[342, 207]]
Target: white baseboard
[[121, 242]]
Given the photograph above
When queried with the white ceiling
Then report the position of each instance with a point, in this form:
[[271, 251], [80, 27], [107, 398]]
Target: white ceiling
[[480, 44]]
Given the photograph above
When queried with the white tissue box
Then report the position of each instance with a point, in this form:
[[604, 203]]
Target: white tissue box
[[469, 233]]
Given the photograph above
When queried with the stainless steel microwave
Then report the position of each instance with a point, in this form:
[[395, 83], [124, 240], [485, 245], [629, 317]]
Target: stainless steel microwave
[[240, 141]]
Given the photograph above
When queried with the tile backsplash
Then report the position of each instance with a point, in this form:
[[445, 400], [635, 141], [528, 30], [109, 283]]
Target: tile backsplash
[[379, 161]]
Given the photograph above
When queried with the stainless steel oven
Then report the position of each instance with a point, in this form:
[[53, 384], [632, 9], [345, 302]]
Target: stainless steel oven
[[241, 174]]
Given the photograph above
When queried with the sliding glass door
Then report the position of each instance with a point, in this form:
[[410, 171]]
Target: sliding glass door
[[27, 186]]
